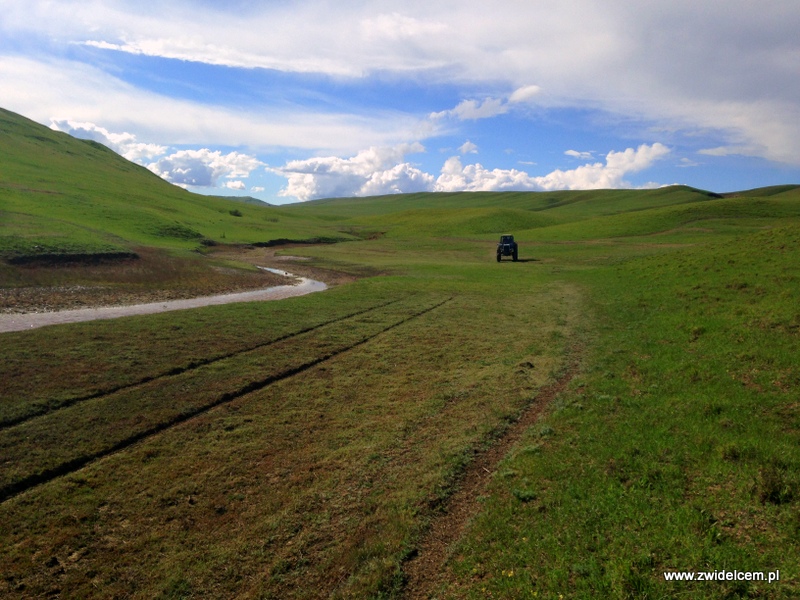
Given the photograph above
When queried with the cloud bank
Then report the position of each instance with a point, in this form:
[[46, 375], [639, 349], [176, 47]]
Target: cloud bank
[[384, 171], [730, 66]]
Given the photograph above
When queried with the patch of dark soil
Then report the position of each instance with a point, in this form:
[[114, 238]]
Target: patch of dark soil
[[55, 259], [153, 276], [288, 242]]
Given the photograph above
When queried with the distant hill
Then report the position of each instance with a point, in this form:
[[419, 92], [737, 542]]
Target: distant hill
[[62, 195]]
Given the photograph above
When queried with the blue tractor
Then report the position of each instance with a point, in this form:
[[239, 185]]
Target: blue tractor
[[507, 247]]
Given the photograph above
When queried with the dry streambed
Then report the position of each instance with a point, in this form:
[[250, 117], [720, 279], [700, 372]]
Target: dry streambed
[[24, 321]]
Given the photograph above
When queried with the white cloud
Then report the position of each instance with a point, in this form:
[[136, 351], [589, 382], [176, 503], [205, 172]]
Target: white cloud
[[370, 172], [524, 94], [472, 110], [475, 178], [732, 150], [122, 143], [455, 177], [382, 171], [256, 189], [396, 26], [402, 178], [580, 155], [202, 168], [468, 148]]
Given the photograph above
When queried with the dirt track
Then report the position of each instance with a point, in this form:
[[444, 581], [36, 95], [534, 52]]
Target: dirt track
[[25, 321], [427, 568]]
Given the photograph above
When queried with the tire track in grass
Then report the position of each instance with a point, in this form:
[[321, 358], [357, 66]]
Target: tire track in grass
[[30, 481], [48, 408], [424, 570]]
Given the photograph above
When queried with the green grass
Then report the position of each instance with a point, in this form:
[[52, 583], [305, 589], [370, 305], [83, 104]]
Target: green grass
[[300, 449], [677, 448]]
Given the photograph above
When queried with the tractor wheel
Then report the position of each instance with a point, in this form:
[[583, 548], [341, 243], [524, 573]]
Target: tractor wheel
[[499, 256], [514, 256]]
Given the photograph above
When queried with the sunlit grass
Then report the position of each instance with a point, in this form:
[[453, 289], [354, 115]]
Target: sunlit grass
[[675, 450]]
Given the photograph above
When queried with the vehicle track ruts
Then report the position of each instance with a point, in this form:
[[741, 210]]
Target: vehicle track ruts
[[47, 408], [27, 483], [425, 569]]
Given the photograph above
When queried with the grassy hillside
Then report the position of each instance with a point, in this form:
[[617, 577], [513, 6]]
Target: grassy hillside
[[63, 195], [308, 448]]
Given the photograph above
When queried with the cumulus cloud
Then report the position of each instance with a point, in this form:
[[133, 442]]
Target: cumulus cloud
[[455, 177], [122, 143], [378, 170], [468, 148], [475, 177], [235, 185], [381, 171], [202, 168], [609, 175]]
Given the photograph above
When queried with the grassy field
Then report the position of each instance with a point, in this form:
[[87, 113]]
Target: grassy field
[[675, 450], [295, 467], [307, 448]]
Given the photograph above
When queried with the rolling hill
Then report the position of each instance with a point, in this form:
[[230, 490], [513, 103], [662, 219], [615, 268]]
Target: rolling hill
[[59, 194]]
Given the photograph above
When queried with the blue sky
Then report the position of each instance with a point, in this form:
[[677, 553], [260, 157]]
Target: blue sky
[[291, 101]]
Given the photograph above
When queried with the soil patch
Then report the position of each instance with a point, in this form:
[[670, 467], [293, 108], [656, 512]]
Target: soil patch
[[301, 266], [49, 260]]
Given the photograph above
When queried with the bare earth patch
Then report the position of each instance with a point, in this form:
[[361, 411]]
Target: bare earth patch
[[152, 277]]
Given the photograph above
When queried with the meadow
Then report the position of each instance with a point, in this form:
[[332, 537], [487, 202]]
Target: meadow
[[619, 404]]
